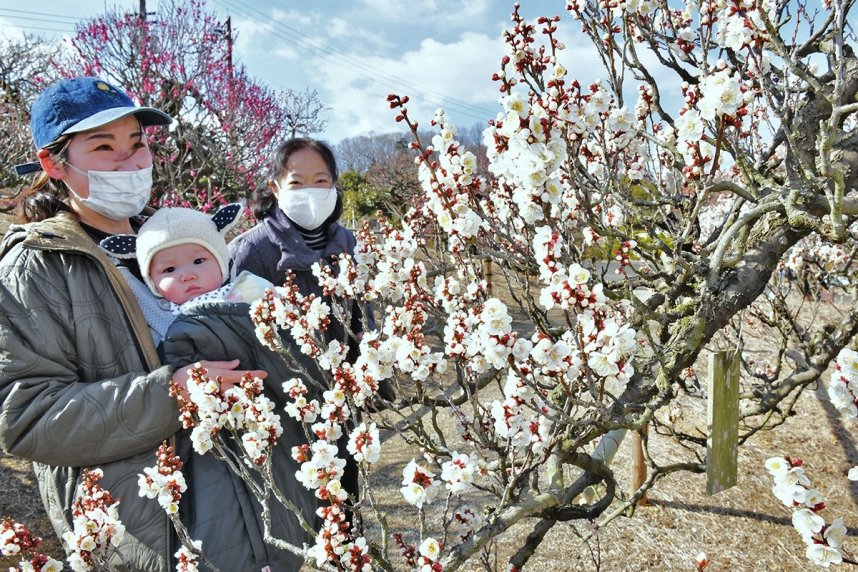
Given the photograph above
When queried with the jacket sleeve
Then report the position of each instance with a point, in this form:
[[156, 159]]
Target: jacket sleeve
[[224, 331], [73, 387], [206, 333]]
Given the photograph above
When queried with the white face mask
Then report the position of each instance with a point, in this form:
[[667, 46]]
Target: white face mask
[[116, 194], [308, 208]]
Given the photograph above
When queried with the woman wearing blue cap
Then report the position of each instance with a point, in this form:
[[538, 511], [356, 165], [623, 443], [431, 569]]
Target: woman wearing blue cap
[[81, 384]]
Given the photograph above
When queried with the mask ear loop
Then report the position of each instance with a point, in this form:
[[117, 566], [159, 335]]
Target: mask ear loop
[[80, 172], [77, 170]]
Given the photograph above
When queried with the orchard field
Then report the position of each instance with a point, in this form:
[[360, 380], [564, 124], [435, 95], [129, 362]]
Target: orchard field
[[700, 196], [743, 529]]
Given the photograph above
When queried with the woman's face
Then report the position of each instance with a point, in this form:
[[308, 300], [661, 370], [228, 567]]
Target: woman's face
[[118, 146], [305, 168]]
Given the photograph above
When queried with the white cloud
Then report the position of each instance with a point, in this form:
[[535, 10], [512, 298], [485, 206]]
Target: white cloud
[[459, 14], [451, 75], [344, 29], [259, 39], [295, 18], [251, 35]]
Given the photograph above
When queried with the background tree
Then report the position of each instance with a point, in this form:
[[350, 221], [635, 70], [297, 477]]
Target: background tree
[[24, 68], [180, 60], [303, 112], [360, 153], [387, 164], [361, 200]]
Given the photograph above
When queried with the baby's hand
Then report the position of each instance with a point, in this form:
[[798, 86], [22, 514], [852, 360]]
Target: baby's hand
[[223, 369]]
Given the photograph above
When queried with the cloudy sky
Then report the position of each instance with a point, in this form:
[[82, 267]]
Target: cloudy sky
[[354, 53]]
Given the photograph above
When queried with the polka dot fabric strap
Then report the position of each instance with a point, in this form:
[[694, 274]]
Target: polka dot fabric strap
[[120, 245], [227, 216]]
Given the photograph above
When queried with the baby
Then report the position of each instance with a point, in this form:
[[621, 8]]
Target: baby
[[184, 259]]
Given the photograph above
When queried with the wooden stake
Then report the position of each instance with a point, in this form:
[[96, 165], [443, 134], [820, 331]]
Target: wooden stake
[[487, 274], [639, 463], [722, 445]]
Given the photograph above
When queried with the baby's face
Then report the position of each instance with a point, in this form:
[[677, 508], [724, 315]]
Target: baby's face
[[183, 272]]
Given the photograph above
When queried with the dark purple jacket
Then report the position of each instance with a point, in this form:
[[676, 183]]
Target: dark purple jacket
[[274, 246]]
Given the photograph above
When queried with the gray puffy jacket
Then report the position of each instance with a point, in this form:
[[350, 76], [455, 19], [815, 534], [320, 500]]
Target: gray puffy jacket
[[80, 380], [222, 512]]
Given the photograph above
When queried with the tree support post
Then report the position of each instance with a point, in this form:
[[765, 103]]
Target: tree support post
[[722, 445], [639, 463]]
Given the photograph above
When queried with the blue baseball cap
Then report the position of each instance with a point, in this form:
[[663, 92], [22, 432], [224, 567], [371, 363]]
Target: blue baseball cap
[[78, 104]]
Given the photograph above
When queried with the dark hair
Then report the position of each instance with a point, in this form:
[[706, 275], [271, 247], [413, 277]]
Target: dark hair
[[265, 200], [46, 196]]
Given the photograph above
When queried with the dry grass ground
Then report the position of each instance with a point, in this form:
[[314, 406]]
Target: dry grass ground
[[743, 529]]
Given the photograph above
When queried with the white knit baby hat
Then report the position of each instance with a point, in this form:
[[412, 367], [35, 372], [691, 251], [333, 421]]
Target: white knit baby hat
[[172, 226]]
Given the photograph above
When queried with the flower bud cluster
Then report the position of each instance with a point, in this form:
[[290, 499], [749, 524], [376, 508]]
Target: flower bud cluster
[[321, 471], [482, 335], [285, 307], [96, 527], [521, 419], [299, 408], [525, 149], [793, 488], [165, 480], [16, 540], [186, 560], [242, 409], [365, 443], [843, 386], [451, 187], [740, 24]]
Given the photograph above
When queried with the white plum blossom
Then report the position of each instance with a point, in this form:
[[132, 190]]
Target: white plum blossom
[[777, 466], [735, 33], [186, 560], [835, 533], [689, 126], [520, 417], [458, 473], [495, 318], [793, 488], [807, 523], [419, 484], [332, 357], [823, 555], [720, 95], [430, 548], [323, 466], [96, 527], [154, 484], [843, 386], [364, 443]]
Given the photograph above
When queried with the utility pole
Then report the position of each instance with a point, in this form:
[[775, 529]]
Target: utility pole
[[228, 44], [142, 14]]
